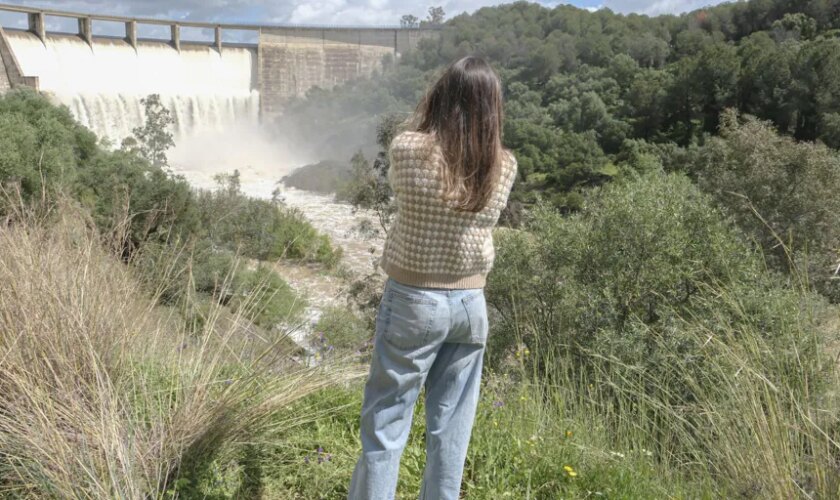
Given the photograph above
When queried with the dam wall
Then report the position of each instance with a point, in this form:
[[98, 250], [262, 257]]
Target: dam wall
[[206, 85], [294, 60], [11, 74]]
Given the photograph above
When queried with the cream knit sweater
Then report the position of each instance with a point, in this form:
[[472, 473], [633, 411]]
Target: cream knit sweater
[[429, 244]]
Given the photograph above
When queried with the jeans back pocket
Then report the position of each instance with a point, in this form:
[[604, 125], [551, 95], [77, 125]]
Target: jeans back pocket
[[407, 317], [476, 308]]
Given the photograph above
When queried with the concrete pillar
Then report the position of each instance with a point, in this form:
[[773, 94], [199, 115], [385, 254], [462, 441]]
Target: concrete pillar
[[219, 38], [131, 33], [37, 26], [86, 30], [176, 36]]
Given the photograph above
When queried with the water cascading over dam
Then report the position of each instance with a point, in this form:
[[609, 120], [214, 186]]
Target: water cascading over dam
[[104, 82], [221, 95]]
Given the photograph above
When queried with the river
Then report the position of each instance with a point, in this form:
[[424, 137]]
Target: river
[[339, 221]]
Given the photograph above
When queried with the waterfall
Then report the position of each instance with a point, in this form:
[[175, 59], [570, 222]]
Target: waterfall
[[102, 84]]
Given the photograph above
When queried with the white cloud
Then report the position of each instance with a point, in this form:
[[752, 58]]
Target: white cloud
[[656, 7]]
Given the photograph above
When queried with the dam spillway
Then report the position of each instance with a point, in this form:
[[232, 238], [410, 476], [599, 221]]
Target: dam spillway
[[104, 82], [208, 87]]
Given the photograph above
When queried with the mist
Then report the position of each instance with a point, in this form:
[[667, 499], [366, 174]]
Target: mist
[[260, 154]]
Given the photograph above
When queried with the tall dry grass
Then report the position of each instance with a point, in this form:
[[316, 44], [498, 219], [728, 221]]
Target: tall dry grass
[[102, 393]]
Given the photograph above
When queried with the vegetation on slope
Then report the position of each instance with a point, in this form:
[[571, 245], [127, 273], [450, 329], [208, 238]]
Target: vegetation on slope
[[151, 216], [639, 349], [103, 394]]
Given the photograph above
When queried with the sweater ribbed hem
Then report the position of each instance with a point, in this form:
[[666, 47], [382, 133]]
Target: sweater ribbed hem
[[432, 280]]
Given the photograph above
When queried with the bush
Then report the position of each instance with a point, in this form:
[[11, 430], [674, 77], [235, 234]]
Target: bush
[[782, 193], [621, 279], [296, 238], [40, 142], [260, 229], [640, 249], [264, 298], [343, 329], [134, 201], [649, 310], [192, 278]]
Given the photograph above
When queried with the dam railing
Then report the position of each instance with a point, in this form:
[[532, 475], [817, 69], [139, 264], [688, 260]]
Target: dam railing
[[37, 25]]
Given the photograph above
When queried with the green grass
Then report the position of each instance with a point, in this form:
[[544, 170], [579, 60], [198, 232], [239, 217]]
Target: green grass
[[758, 423], [522, 442]]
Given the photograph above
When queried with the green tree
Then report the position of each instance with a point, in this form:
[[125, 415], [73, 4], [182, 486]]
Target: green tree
[[153, 139], [649, 50], [715, 78], [766, 81], [797, 26], [436, 16], [41, 145], [816, 89], [409, 21]]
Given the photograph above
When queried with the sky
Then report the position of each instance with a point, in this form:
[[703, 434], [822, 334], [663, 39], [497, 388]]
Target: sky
[[318, 12]]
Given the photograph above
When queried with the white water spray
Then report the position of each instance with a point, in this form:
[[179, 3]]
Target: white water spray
[[211, 95], [103, 84]]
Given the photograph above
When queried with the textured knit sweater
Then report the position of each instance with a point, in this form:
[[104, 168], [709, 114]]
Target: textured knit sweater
[[430, 244]]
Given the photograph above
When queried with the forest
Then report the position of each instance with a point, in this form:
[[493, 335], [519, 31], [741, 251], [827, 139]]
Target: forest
[[591, 96]]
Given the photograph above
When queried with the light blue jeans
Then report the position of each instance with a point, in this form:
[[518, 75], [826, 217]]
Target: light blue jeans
[[423, 336]]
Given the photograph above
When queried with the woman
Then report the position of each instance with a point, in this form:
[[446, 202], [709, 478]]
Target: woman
[[451, 179]]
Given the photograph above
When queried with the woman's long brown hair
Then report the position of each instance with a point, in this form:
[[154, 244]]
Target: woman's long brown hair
[[463, 111]]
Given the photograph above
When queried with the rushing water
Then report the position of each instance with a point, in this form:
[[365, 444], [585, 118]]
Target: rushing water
[[103, 83], [340, 221]]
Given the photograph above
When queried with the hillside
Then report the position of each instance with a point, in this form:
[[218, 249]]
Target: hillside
[[592, 95]]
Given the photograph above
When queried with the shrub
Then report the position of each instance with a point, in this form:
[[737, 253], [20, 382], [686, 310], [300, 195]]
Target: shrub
[[189, 278], [263, 297], [40, 142], [649, 309], [343, 329], [778, 189], [260, 229], [640, 248], [137, 201]]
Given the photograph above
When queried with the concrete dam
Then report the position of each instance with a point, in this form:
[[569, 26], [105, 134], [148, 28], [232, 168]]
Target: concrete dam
[[208, 86]]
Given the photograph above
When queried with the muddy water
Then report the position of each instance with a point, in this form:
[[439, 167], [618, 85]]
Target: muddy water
[[342, 224], [361, 249], [339, 221]]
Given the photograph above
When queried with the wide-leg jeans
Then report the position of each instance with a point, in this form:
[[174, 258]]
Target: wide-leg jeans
[[431, 337]]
